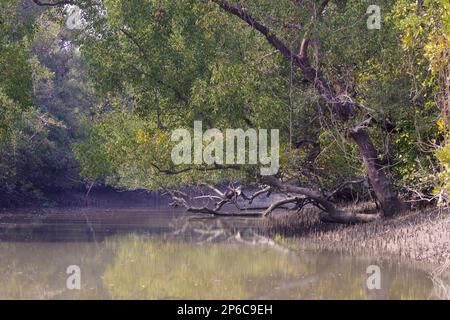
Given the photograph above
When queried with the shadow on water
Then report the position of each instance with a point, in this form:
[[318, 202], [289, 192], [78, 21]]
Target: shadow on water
[[142, 254]]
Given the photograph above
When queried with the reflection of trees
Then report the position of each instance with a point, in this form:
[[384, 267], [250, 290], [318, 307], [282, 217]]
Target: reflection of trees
[[244, 265], [203, 258], [172, 269], [441, 290], [204, 230], [37, 270]]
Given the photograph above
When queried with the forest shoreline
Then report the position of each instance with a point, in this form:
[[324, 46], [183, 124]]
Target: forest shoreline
[[99, 196]]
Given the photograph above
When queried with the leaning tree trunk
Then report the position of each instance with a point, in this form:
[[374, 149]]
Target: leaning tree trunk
[[381, 184], [378, 179]]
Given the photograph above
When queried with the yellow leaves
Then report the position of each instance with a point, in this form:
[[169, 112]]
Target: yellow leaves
[[160, 138], [428, 29], [442, 126], [142, 137], [437, 52], [157, 139]]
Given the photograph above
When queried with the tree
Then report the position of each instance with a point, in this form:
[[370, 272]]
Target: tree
[[44, 103], [158, 63], [341, 103], [425, 30]]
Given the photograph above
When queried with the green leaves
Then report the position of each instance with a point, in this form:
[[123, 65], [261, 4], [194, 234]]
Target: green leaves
[[163, 64], [425, 33]]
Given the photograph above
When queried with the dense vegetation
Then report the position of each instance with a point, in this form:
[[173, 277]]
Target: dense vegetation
[[44, 105], [362, 112]]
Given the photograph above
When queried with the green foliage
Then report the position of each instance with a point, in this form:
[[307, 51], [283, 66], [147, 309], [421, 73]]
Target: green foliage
[[43, 101], [165, 67], [216, 271], [158, 65], [8, 115], [170, 63], [425, 35], [32, 160], [127, 151]]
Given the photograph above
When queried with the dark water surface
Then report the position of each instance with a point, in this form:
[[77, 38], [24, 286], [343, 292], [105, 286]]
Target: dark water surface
[[162, 254]]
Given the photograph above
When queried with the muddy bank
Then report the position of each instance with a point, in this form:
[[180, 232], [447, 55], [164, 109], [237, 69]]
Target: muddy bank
[[98, 197], [422, 236]]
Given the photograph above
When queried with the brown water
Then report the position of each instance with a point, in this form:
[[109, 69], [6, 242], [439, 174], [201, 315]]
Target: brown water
[[155, 254]]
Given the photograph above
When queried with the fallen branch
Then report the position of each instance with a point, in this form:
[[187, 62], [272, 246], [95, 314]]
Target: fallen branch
[[329, 213], [280, 203], [206, 210]]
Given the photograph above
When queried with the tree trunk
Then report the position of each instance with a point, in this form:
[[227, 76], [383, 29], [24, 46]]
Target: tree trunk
[[381, 184]]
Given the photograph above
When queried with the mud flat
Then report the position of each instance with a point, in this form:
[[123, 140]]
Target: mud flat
[[420, 237]]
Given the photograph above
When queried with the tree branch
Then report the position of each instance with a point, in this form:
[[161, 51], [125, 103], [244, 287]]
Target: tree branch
[[180, 171], [53, 4], [206, 210], [267, 190], [329, 213], [344, 109], [144, 54], [315, 195], [280, 203]]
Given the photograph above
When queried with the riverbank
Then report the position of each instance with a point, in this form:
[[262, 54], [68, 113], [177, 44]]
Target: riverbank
[[421, 236], [97, 197]]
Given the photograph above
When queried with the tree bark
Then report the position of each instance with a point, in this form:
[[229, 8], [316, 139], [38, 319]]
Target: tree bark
[[381, 184]]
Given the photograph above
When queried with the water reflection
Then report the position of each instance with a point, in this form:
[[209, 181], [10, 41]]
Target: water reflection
[[138, 256]]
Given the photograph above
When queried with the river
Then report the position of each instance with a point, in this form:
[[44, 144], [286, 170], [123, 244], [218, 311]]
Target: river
[[140, 253]]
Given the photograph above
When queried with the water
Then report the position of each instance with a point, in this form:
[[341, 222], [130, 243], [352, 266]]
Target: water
[[156, 254]]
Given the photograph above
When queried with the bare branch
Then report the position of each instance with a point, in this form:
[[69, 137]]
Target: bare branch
[[304, 48], [267, 190], [280, 203], [175, 172], [53, 4], [362, 126], [205, 210], [329, 213], [315, 195]]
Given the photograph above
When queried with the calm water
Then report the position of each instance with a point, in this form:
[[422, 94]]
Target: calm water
[[149, 254]]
